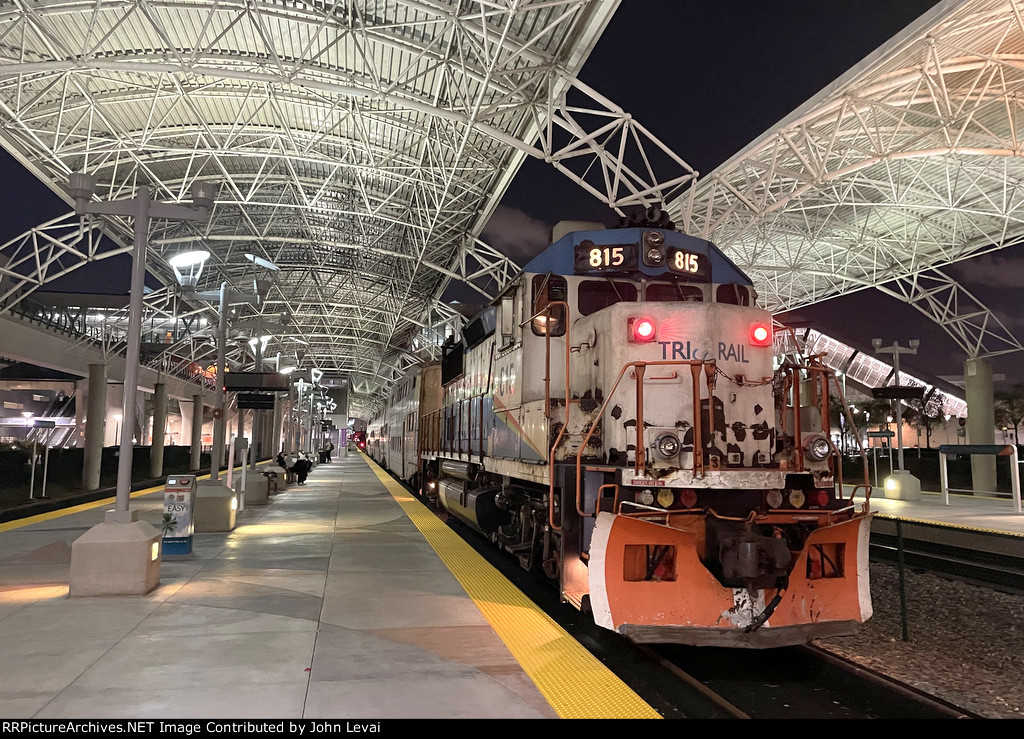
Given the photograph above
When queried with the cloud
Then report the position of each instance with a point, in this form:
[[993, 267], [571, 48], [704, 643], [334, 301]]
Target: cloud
[[515, 234], [991, 270]]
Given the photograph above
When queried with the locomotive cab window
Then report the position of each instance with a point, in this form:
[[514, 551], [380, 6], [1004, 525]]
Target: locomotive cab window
[[661, 292], [732, 294], [593, 295], [548, 289]]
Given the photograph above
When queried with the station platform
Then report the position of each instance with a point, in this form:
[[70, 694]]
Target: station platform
[[343, 598], [976, 512]]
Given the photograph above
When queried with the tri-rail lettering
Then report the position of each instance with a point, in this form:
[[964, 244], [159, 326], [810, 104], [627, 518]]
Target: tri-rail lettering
[[686, 350]]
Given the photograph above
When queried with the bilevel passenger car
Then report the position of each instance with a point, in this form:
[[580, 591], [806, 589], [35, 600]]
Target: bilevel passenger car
[[678, 486]]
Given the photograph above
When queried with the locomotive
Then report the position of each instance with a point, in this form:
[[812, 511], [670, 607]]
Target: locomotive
[[617, 418]]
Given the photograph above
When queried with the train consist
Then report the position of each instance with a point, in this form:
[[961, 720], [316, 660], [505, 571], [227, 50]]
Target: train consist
[[615, 418]]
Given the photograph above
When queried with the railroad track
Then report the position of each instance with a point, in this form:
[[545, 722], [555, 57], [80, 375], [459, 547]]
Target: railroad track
[[691, 682], [796, 682], [987, 558]]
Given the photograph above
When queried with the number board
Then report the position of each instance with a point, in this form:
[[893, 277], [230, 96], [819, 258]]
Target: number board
[[689, 264], [593, 258]]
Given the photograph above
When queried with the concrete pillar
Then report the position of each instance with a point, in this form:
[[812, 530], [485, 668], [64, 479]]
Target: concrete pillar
[[147, 421], [156, 451], [195, 458], [289, 441], [96, 417], [257, 437], [340, 415], [81, 393], [981, 421], [275, 431]]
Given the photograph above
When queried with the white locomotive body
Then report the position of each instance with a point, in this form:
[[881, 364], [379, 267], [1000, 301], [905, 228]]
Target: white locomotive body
[[678, 486]]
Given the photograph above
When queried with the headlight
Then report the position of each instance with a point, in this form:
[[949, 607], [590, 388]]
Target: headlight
[[667, 446], [654, 238], [818, 448]]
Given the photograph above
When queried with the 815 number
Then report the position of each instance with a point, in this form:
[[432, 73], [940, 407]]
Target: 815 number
[[686, 262], [608, 257]]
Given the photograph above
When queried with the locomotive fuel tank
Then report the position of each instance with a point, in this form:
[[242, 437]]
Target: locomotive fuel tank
[[461, 496]]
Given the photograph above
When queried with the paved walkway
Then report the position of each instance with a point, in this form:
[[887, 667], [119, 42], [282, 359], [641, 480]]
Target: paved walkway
[[326, 603]]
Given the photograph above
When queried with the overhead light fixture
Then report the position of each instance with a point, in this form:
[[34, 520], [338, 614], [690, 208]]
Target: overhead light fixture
[[188, 266]]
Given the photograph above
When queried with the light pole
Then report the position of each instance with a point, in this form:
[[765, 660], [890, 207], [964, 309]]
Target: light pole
[[258, 345], [896, 350], [137, 570], [187, 267], [142, 210], [900, 484]]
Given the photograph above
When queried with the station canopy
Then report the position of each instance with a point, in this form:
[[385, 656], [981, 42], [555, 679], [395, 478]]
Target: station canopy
[[909, 162], [357, 148]]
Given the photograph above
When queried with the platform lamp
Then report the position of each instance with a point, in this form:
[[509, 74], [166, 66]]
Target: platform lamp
[[188, 266], [258, 344], [121, 556], [900, 485]]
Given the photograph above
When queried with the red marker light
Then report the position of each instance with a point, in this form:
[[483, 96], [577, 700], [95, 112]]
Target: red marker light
[[761, 334], [641, 329]]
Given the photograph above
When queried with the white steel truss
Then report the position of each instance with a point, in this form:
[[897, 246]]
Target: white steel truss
[[911, 161], [359, 145], [862, 372]]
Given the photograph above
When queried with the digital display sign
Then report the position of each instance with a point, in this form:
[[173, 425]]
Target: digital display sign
[[255, 381], [689, 264], [591, 258]]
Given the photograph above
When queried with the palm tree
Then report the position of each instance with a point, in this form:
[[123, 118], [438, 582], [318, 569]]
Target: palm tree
[[169, 524], [1009, 407]]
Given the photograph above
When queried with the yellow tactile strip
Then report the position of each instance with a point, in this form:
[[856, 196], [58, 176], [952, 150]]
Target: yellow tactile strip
[[946, 525], [572, 680]]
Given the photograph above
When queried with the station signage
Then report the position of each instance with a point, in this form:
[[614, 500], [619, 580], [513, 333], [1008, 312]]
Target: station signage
[[256, 401], [902, 392], [268, 381]]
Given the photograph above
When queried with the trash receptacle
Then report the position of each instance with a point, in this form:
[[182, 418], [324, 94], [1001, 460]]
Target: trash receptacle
[[323, 457]]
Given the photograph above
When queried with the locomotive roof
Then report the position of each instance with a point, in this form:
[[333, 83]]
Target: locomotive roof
[[558, 258]]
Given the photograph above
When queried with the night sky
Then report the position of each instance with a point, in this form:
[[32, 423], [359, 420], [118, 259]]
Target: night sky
[[707, 78]]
